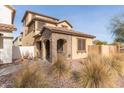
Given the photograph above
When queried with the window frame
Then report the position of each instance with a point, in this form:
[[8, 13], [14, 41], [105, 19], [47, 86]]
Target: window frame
[[81, 45], [1, 42]]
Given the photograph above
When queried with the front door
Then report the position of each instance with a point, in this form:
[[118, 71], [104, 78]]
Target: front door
[[47, 47]]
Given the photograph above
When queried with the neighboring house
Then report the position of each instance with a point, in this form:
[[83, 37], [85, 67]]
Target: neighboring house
[[18, 40], [51, 37], [7, 14]]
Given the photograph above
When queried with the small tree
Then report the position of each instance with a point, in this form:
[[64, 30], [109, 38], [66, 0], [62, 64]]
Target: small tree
[[117, 28], [98, 42]]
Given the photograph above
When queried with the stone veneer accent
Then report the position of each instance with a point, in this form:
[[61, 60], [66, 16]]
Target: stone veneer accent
[[68, 38]]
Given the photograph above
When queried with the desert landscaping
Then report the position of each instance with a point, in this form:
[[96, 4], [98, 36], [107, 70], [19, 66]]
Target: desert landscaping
[[47, 52], [93, 72]]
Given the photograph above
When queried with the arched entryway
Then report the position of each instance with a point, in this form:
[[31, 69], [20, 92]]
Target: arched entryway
[[61, 46], [47, 49]]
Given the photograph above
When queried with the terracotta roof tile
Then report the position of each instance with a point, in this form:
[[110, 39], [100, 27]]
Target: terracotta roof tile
[[37, 14], [7, 27], [68, 32], [66, 22]]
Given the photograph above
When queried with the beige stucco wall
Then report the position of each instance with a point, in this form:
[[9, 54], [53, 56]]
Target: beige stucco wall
[[5, 15], [64, 23], [28, 40], [104, 50], [6, 50], [37, 30], [46, 18], [50, 24], [28, 18], [75, 54]]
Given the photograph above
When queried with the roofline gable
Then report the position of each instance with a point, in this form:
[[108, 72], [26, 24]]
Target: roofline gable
[[37, 14], [73, 33], [66, 22], [10, 7]]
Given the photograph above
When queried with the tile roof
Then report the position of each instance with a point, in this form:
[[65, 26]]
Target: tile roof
[[68, 32], [66, 22], [37, 14], [7, 27], [55, 21], [46, 20]]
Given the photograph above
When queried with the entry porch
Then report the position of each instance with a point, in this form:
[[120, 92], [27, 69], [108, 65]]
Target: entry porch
[[48, 49]]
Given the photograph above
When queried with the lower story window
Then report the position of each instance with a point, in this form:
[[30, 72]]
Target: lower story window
[[1, 42], [81, 46], [60, 44]]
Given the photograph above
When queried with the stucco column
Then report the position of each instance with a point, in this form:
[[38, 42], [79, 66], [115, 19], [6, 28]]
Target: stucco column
[[43, 51], [54, 50]]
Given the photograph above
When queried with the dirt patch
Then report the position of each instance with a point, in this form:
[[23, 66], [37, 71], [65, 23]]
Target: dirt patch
[[6, 81]]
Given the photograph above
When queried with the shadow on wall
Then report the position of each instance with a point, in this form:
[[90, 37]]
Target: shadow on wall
[[16, 54], [1, 62]]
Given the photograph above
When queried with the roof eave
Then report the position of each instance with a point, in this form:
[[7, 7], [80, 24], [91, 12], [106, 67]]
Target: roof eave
[[66, 22], [36, 14], [71, 33]]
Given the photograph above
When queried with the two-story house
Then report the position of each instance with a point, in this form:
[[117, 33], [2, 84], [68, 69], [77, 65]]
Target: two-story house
[[51, 36], [7, 14]]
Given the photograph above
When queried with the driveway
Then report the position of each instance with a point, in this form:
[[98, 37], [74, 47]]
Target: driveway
[[9, 69]]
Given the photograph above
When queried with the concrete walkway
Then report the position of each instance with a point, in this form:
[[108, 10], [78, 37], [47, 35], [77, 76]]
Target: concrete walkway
[[13, 68]]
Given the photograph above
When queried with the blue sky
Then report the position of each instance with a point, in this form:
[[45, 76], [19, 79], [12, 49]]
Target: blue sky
[[94, 20]]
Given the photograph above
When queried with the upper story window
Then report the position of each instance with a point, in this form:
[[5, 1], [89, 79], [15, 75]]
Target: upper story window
[[81, 45]]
